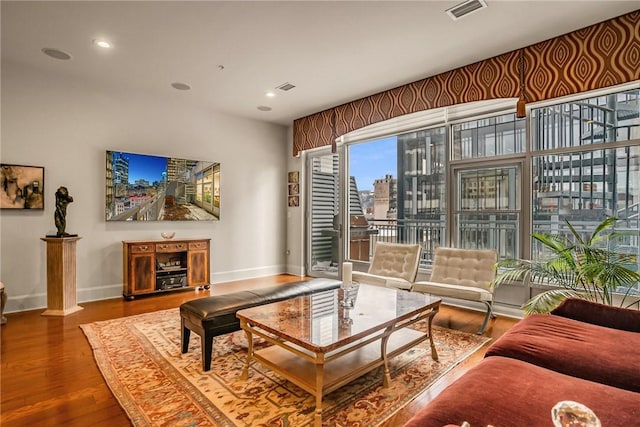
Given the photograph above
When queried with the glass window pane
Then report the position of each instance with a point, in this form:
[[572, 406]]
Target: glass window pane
[[199, 188], [585, 187], [489, 231], [421, 189], [207, 187], [596, 120], [216, 188], [495, 189], [488, 137], [373, 198], [488, 209]]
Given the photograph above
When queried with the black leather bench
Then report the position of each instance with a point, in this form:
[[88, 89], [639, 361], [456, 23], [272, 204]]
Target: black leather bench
[[216, 315]]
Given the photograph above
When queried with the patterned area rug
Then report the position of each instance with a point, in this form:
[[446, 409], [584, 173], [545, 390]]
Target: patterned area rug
[[140, 359]]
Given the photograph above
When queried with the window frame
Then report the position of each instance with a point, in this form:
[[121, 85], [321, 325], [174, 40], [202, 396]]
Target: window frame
[[457, 114]]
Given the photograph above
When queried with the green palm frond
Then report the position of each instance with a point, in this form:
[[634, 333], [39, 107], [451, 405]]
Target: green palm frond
[[597, 235], [575, 267], [548, 300]]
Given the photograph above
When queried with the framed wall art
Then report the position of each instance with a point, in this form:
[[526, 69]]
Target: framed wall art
[[293, 196], [21, 187], [143, 187]]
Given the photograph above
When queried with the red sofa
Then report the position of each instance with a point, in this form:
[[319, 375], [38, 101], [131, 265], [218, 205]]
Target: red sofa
[[583, 352]]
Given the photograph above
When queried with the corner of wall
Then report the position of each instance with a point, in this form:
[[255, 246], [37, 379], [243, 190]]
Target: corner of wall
[[295, 253]]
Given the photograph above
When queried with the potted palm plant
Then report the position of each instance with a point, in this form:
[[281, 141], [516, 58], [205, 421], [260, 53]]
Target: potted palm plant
[[592, 269]]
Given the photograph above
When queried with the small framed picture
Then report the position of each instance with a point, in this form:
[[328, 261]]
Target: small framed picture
[[21, 187], [294, 189], [294, 201], [294, 177]]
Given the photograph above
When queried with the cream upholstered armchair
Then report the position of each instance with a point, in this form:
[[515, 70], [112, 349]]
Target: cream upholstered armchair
[[462, 274], [393, 265]]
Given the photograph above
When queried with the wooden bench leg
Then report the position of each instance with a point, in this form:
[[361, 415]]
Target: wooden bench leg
[[206, 346], [207, 350], [185, 333], [3, 301]]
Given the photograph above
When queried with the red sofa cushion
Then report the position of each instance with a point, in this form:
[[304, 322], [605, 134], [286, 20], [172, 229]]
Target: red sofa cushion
[[599, 314], [508, 392], [595, 353]]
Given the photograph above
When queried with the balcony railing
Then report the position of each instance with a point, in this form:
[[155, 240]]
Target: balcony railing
[[474, 233], [427, 233], [147, 211]]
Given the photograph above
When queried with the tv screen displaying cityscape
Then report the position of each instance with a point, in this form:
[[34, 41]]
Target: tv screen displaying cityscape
[[142, 187]]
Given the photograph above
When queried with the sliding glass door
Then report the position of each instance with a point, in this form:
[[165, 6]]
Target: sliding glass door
[[323, 216]]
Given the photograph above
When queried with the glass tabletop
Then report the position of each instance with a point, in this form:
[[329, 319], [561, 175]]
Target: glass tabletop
[[326, 320]]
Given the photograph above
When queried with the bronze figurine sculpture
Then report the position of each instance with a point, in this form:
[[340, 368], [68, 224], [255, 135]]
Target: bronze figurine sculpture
[[63, 198]]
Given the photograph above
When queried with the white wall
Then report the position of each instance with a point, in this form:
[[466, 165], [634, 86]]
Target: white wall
[[66, 125], [295, 216]]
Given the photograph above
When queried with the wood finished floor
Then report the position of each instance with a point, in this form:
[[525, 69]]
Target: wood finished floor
[[49, 376]]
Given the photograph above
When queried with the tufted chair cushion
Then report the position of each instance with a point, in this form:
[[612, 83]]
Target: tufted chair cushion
[[464, 267], [392, 265], [462, 274]]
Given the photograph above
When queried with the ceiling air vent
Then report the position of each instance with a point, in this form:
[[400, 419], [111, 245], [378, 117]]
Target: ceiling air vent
[[465, 8], [285, 86]]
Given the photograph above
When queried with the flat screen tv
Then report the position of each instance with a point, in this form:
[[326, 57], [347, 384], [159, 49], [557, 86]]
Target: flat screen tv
[[142, 187]]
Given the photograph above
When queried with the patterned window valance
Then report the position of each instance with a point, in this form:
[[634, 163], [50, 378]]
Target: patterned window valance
[[599, 56]]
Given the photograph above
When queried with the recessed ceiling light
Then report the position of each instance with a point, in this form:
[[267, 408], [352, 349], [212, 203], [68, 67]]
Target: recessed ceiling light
[[102, 43], [180, 86], [56, 53], [269, 94], [264, 108]]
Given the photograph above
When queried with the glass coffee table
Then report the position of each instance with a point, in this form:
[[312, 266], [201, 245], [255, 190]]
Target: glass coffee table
[[324, 341]]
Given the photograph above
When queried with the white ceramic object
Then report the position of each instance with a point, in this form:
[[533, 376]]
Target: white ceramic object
[[347, 274], [168, 235]]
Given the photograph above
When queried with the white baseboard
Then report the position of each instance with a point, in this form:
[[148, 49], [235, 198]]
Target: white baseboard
[[296, 270], [249, 273], [100, 293], [16, 303]]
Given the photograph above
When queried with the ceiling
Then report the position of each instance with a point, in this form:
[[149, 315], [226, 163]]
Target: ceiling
[[232, 53]]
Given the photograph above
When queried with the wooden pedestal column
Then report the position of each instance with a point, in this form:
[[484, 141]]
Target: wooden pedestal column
[[61, 276]]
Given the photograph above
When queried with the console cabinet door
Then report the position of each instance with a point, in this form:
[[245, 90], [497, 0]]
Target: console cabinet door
[[142, 278], [198, 270]]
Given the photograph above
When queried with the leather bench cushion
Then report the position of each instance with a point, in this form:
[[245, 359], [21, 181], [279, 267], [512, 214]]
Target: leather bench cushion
[[604, 355], [274, 294], [319, 284], [283, 292], [508, 392], [453, 291], [220, 311]]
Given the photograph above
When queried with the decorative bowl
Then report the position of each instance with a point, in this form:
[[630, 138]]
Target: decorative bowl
[[567, 413], [168, 235]]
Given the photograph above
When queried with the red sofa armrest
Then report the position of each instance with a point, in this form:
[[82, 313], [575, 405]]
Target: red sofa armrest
[[599, 314]]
